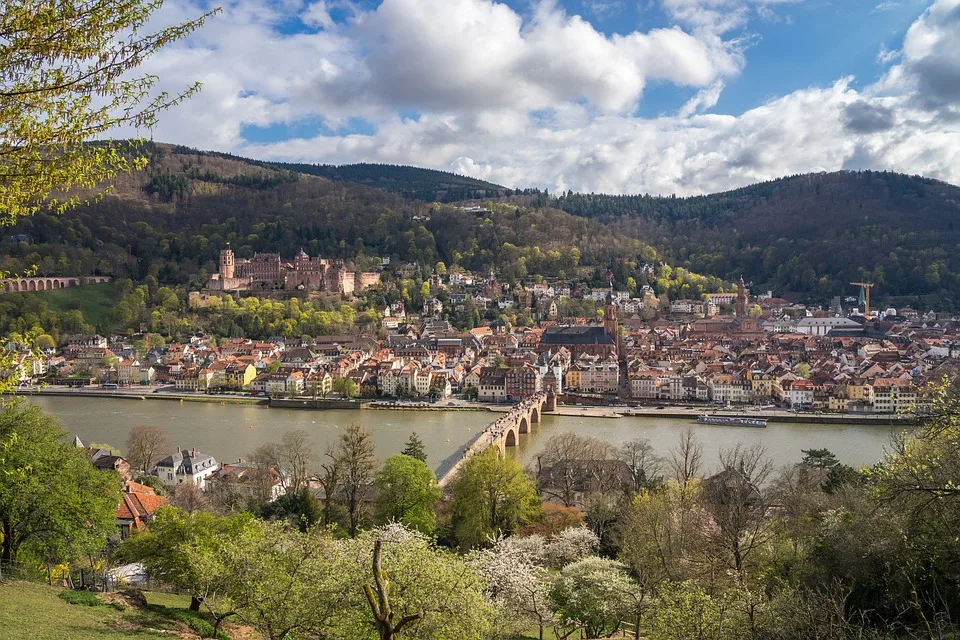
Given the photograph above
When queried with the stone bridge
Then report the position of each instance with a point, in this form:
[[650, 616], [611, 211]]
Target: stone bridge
[[506, 430], [8, 285]]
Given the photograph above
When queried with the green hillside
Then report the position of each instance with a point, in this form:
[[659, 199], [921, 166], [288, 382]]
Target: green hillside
[[30, 611], [96, 301], [811, 234]]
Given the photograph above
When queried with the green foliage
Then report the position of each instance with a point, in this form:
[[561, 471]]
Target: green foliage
[[684, 610], [434, 584], [407, 491], [491, 496], [819, 458], [596, 595], [83, 598], [153, 482], [299, 508], [165, 549], [55, 57], [812, 233], [414, 448], [53, 502]]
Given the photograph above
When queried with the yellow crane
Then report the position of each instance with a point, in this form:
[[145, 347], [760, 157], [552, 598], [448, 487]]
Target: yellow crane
[[866, 290]]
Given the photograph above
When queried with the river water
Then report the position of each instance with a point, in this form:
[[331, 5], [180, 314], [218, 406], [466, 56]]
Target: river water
[[229, 432]]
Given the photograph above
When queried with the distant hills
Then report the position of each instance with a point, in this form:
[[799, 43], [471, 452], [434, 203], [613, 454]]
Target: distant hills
[[409, 182], [811, 233], [807, 236]]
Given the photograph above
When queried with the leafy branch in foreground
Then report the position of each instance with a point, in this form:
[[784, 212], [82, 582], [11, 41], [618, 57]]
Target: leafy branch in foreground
[[66, 77]]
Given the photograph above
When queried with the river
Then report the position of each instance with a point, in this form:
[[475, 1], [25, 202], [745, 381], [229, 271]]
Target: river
[[229, 432]]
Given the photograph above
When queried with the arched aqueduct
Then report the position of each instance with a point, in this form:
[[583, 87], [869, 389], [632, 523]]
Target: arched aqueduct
[[12, 285]]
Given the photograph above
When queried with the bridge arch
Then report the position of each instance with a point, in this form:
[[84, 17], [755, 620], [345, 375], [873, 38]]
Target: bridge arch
[[510, 437], [523, 425], [535, 413]]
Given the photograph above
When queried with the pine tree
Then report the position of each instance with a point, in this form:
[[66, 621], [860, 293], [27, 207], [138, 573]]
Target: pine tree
[[414, 448]]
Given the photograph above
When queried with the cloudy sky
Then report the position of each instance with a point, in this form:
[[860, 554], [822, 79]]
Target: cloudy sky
[[617, 96]]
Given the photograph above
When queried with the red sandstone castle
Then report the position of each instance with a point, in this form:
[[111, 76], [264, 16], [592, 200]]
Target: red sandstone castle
[[267, 272]]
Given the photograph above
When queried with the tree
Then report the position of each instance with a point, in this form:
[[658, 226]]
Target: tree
[[284, 583], [661, 532], [439, 594], [686, 458], [515, 582], [802, 369], [407, 491], [357, 464], [146, 445], [153, 482], [643, 463], [296, 457], [569, 546], [491, 496], [414, 448], [683, 611], [52, 500], [819, 458], [571, 464], [165, 548], [739, 508], [596, 595], [298, 508], [346, 387], [56, 57], [190, 497]]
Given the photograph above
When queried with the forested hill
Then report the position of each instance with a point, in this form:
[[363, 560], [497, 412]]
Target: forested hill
[[171, 220], [413, 183], [410, 182], [811, 233]]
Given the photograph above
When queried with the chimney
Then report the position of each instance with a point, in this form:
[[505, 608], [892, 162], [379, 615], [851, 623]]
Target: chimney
[[193, 452], [178, 450]]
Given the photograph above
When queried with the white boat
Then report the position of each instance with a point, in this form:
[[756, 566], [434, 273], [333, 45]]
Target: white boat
[[732, 421]]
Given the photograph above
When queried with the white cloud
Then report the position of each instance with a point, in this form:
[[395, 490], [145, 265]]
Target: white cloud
[[547, 100]]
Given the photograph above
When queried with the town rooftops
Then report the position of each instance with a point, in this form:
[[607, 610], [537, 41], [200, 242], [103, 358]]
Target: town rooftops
[[575, 334]]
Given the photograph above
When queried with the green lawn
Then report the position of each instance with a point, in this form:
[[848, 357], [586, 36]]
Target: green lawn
[[31, 611], [96, 301]]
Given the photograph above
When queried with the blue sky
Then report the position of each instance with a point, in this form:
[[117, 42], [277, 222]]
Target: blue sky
[[658, 96]]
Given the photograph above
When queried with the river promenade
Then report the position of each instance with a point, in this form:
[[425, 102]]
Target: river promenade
[[612, 411]]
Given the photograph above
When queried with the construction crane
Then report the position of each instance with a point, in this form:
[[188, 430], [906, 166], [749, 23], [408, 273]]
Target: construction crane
[[866, 289]]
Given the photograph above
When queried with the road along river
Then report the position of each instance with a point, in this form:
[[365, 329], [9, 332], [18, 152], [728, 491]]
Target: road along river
[[232, 431]]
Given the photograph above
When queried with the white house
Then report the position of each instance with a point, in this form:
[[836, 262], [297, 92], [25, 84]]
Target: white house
[[186, 466]]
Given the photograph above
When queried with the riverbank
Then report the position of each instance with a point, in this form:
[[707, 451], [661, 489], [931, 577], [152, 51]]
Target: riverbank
[[136, 394], [610, 412]]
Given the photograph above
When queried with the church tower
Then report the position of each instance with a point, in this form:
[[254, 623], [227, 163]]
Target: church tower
[[741, 299], [226, 264], [610, 326]]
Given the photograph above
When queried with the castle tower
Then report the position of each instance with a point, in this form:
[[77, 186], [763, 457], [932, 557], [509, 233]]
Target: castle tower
[[741, 299], [227, 264]]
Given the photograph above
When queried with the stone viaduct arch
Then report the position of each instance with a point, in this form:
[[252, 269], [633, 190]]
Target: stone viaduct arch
[[13, 285]]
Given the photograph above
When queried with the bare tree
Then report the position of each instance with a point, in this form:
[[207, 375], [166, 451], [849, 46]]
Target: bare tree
[[146, 444], [296, 458], [686, 458], [570, 465], [358, 464], [738, 503], [190, 497], [329, 478], [643, 463]]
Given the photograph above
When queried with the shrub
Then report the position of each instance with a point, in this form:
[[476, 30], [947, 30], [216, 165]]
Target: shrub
[[83, 598]]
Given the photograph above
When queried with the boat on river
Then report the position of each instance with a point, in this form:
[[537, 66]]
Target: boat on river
[[732, 421]]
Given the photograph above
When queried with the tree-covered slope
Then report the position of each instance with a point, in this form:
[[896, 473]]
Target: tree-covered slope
[[171, 220], [810, 233], [414, 183]]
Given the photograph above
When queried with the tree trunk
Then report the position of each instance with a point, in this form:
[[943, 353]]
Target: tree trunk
[[195, 603]]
